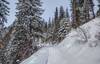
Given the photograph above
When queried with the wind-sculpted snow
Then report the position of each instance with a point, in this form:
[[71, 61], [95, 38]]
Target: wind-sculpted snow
[[81, 46]]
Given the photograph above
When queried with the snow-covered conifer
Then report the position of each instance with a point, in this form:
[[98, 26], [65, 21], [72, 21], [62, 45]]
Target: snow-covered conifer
[[27, 28], [4, 10], [98, 12]]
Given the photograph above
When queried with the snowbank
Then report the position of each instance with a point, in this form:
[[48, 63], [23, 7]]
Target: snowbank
[[81, 46]]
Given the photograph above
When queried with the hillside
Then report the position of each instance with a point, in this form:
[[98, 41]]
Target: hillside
[[81, 46]]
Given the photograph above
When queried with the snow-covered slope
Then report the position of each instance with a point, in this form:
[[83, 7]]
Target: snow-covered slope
[[81, 46]]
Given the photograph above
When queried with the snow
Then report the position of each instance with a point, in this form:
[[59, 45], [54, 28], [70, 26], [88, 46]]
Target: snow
[[81, 46]]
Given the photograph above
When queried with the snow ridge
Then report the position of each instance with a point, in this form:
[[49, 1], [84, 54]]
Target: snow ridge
[[81, 46]]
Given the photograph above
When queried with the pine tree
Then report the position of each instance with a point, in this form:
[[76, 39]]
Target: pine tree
[[91, 9], [64, 27], [56, 14], [88, 8], [67, 13], [98, 12], [61, 13], [56, 22], [75, 13], [49, 25], [83, 11], [4, 10], [27, 28]]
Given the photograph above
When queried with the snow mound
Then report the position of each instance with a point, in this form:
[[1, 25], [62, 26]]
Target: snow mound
[[81, 46]]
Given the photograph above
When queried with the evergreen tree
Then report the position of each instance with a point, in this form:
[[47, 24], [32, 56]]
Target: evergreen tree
[[56, 20], [56, 24], [61, 13], [27, 28], [88, 8], [56, 14], [67, 13], [75, 13], [64, 27], [83, 11], [98, 12], [91, 9], [49, 22], [4, 10]]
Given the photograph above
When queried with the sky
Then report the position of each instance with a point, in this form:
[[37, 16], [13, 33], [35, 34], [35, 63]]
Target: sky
[[12, 13], [48, 6]]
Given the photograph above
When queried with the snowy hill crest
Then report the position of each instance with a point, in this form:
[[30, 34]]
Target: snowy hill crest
[[81, 46]]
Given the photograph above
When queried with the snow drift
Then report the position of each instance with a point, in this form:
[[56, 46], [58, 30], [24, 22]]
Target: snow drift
[[81, 46]]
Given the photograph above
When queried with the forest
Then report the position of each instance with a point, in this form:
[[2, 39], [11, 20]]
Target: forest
[[29, 32]]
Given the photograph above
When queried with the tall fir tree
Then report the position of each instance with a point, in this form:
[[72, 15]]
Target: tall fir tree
[[49, 22], [61, 13], [4, 10], [83, 11], [75, 13], [98, 12], [56, 19], [63, 27], [67, 13], [56, 24], [56, 14], [88, 7], [28, 24], [92, 9]]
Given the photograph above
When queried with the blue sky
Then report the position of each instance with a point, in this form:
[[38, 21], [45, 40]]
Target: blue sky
[[48, 5], [11, 16]]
